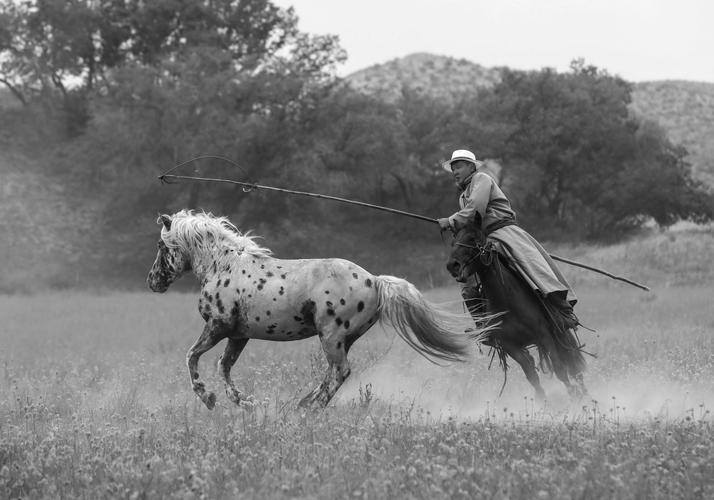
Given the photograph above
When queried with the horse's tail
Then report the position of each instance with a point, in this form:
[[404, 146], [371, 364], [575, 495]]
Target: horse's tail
[[433, 328], [565, 341]]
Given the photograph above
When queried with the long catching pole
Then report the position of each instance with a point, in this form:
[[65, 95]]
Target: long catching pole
[[250, 186]]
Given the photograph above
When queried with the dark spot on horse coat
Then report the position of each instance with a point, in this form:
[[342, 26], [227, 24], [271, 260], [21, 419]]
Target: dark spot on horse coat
[[219, 283], [308, 312], [267, 313], [338, 321], [327, 292], [347, 324], [269, 274], [262, 266], [342, 301], [328, 303], [210, 298], [226, 282], [282, 275], [368, 282], [243, 271], [260, 287], [330, 312], [339, 345], [219, 304], [298, 319], [360, 306], [257, 318], [282, 291], [349, 340], [354, 275], [214, 267]]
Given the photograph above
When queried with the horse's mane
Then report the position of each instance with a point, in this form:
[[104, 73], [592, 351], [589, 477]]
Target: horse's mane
[[201, 232]]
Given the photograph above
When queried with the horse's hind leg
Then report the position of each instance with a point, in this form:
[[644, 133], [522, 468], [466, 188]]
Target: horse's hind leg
[[234, 347], [524, 358], [567, 362], [338, 370], [210, 337]]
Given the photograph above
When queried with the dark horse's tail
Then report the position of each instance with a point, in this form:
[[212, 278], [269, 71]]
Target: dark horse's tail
[[434, 329], [565, 337]]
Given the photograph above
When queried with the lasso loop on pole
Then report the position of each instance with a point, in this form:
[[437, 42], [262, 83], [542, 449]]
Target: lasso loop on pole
[[163, 176]]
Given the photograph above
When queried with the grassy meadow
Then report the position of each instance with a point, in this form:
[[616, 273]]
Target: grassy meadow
[[95, 402]]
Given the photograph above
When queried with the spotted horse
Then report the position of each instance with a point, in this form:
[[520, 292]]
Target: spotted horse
[[246, 294]]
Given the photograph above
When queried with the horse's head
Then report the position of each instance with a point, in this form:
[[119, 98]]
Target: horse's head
[[466, 250], [170, 263]]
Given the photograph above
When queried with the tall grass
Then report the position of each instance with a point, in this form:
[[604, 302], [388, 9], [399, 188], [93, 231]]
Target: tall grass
[[95, 402]]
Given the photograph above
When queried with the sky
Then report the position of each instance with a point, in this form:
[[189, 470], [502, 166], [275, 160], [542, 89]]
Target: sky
[[638, 40]]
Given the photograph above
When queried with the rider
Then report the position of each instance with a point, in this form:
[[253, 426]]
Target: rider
[[480, 194]]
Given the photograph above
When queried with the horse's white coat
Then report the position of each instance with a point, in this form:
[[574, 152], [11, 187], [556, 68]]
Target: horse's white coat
[[248, 294]]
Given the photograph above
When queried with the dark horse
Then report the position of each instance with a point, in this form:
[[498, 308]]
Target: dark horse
[[526, 319]]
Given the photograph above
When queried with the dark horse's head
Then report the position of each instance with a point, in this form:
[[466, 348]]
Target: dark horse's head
[[467, 250], [170, 261]]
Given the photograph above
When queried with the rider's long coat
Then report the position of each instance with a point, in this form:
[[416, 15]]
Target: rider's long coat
[[483, 195]]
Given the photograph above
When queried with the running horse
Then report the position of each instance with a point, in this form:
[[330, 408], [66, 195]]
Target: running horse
[[246, 294], [526, 318]]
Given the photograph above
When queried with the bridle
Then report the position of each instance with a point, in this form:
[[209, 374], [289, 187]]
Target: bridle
[[483, 252]]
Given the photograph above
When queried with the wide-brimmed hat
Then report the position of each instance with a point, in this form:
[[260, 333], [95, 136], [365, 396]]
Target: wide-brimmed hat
[[461, 155]]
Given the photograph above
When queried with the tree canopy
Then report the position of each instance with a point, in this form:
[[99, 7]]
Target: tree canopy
[[136, 87]]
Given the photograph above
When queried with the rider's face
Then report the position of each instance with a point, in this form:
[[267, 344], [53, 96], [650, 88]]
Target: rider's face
[[461, 170]]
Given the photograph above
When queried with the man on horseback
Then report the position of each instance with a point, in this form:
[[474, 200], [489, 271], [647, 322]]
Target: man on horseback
[[482, 200]]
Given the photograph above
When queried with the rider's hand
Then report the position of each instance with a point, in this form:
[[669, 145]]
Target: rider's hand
[[444, 224]]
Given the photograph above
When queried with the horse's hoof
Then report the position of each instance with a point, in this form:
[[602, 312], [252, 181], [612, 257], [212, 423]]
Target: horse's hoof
[[247, 402], [210, 400]]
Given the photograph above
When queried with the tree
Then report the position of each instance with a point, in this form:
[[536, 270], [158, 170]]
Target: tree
[[573, 146]]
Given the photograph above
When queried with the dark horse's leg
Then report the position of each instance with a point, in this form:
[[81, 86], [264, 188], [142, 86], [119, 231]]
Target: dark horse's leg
[[212, 334], [524, 358], [234, 347]]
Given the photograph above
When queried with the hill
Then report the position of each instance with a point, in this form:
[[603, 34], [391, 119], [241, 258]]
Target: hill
[[684, 109], [438, 76]]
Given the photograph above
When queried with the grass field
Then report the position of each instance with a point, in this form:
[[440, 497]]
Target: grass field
[[95, 402]]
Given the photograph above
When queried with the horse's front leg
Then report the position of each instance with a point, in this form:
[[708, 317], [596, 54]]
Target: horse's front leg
[[212, 334], [230, 355]]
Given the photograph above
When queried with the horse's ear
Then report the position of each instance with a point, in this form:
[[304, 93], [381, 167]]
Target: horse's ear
[[165, 220]]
